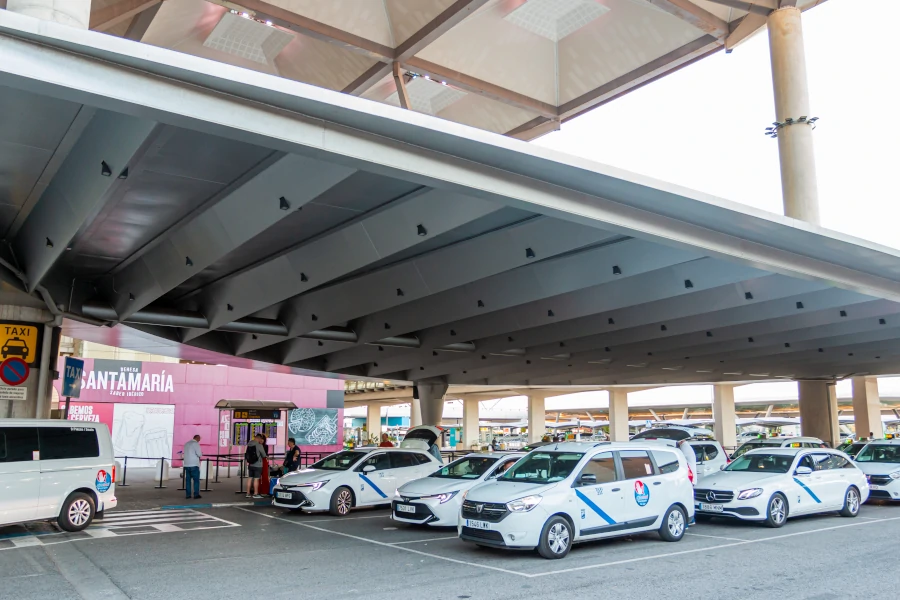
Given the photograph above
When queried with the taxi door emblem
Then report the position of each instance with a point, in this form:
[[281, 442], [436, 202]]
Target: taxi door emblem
[[599, 491], [582, 513]]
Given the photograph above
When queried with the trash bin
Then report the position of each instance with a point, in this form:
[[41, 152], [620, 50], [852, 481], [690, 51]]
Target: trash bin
[[119, 472]]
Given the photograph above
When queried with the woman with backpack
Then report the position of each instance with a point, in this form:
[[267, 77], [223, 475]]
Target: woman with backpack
[[254, 455]]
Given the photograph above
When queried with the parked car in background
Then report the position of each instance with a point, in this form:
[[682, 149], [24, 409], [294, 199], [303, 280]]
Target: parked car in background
[[779, 442], [880, 461]]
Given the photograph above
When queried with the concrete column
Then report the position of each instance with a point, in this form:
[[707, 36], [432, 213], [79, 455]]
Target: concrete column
[[74, 13], [618, 415], [818, 411], [795, 144], [867, 408], [537, 417], [415, 413], [373, 421], [723, 413], [470, 422], [431, 399]]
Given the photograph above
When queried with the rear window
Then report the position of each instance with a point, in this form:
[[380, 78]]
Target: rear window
[[59, 443], [666, 461], [635, 464], [705, 452], [663, 434], [754, 445], [18, 444]]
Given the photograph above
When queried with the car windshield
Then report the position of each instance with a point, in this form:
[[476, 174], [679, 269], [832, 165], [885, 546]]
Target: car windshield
[[754, 445], [762, 463], [879, 453], [340, 461], [466, 468], [853, 448], [663, 434], [543, 467]]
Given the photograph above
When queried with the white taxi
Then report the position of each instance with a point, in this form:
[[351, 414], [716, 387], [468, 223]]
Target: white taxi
[[772, 484], [573, 492], [436, 499], [361, 477], [880, 461]]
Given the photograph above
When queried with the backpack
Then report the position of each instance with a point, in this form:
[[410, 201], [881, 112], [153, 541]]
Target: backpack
[[251, 455]]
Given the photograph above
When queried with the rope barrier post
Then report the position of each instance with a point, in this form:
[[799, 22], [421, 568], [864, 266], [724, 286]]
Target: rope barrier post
[[241, 474], [183, 478], [217, 469], [206, 483], [162, 464], [124, 473]]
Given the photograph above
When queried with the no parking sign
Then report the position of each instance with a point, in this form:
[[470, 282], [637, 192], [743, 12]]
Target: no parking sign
[[14, 371]]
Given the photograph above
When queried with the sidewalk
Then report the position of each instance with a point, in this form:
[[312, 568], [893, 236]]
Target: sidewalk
[[141, 493]]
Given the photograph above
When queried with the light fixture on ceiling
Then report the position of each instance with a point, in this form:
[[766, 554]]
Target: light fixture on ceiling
[[245, 36], [555, 19]]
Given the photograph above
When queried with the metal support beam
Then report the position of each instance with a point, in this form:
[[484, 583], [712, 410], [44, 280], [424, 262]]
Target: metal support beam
[[141, 23], [367, 79], [257, 201], [534, 129], [123, 10], [94, 169], [692, 14], [746, 28], [759, 7], [402, 94], [451, 16]]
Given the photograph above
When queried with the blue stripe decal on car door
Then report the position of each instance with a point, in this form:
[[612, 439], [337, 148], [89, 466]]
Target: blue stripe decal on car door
[[595, 508], [808, 491], [374, 487]]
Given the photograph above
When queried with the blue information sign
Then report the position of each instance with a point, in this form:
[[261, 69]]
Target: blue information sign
[[72, 371]]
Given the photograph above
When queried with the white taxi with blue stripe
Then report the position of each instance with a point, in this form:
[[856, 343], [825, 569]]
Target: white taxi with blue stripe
[[361, 477], [772, 484], [573, 492]]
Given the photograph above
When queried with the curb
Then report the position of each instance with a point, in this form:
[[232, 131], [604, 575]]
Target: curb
[[215, 505]]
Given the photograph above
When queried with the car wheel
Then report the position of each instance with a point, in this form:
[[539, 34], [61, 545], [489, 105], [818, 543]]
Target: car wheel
[[341, 502], [556, 538], [777, 511], [77, 512], [673, 525], [851, 503]]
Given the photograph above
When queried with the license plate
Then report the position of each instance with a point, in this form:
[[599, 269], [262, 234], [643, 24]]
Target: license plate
[[406, 508], [284, 495], [477, 524], [711, 507], [874, 487]]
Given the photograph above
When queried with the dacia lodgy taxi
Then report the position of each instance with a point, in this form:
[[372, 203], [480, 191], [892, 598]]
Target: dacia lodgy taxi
[[574, 492]]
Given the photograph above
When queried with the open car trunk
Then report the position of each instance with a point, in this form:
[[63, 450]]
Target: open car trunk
[[421, 437]]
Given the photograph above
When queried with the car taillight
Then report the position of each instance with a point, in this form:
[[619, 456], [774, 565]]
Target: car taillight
[[690, 475], [114, 473]]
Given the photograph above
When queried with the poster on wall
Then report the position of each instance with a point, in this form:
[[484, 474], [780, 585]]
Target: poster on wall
[[144, 430], [313, 426]]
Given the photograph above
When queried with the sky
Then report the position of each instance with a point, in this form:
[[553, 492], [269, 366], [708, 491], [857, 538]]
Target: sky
[[702, 127]]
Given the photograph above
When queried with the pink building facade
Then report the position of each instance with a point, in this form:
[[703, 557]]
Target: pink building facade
[[153, 408]]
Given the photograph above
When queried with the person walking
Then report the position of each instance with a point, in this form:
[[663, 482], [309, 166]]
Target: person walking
[[254, 455], [191, 463]]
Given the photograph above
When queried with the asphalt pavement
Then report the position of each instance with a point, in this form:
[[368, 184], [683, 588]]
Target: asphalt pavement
[[266, 552]]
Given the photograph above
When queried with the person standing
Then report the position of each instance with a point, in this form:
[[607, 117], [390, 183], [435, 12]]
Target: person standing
[[254, 455], [191, 463], [386, 441]]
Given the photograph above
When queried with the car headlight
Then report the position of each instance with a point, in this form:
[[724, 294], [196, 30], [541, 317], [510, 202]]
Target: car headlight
[[397, 493], [444, 497], [751, 493], [895, 475], [524, 504], [315, 485]]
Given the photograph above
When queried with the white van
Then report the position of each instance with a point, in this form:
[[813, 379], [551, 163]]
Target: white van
[[62, 470], [571, 492]]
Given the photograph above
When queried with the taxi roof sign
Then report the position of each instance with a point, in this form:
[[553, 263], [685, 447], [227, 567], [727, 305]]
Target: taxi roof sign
[[20, 341]]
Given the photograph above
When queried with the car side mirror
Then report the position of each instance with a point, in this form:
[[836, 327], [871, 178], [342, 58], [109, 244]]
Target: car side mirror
[[588, 479], [803, 471], [368, 468]]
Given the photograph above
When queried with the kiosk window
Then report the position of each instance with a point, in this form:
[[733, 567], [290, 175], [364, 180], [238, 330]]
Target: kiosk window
[[68, 442], [636, 464], [18, 444]]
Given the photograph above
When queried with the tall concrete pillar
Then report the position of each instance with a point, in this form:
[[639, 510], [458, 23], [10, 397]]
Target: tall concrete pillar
[[867, 408], [795, 143], [537, 417], [373, 421], [431, 399], [74, 13], [470, 433], [818, 411], [415, 413], [723, 413], [618, 415]]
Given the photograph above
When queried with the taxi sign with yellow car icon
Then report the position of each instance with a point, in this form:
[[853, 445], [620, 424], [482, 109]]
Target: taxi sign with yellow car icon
[[19, 341]]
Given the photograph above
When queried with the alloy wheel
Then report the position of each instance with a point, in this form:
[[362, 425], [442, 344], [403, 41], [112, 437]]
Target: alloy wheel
[[676, 523], [79, 512], [558, 538], [776, 508], [343, 502]]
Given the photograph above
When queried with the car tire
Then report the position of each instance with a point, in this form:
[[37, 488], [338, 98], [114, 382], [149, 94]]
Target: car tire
[[851, 502], [776, 511], [556, 538], [77, 512], [341, 502], [674, 524]]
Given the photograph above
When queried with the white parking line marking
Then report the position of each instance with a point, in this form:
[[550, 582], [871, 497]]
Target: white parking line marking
[[696, 550], [716, 537], [343, 518], [452, 537], [385, 544]]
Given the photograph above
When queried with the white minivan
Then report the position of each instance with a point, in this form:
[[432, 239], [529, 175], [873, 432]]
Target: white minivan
[[62, 470], [571, 492]]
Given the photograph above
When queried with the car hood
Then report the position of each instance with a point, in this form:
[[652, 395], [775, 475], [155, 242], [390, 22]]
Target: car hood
[[725, 480], [505, 491], [308, 476], [428, 486], [877, 468]]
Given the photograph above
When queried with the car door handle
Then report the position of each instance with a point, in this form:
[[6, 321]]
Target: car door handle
[[617, 489], [657, 483]]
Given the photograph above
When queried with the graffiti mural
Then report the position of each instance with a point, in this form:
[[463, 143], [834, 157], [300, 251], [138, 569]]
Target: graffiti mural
[[313, 426]]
